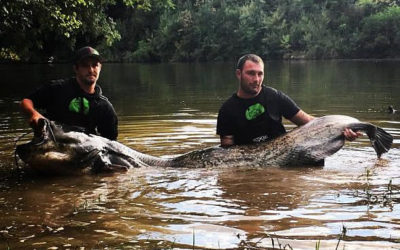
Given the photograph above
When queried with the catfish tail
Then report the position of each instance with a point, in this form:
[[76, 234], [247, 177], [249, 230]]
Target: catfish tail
[[380, 139]]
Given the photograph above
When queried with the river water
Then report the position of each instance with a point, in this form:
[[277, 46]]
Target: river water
[[353, 202]]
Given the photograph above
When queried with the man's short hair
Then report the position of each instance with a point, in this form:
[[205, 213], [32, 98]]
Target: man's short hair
[[248, 57]]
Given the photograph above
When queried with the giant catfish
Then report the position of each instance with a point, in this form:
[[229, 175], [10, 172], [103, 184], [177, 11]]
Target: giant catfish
[[58, 149]]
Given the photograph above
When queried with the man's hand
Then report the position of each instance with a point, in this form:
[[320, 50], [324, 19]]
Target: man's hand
[[34, 119], [33, 115], [226, 141], [350, 135]]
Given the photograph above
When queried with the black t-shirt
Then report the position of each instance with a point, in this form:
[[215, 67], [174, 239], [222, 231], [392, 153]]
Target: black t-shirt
[[255, 119], [64, 101]]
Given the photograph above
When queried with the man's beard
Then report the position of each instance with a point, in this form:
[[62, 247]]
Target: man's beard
[[88, 81], [249, 90]]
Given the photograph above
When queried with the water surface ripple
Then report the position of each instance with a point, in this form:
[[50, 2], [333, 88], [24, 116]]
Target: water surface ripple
[[355, 197]]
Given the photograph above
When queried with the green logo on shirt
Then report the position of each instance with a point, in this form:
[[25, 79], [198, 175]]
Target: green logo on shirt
[[79, 105], [254, 111]]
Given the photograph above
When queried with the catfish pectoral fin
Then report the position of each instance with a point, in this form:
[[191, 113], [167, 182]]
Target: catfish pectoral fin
[[115, 168], [119, 161], [91, 156], [110, 163]]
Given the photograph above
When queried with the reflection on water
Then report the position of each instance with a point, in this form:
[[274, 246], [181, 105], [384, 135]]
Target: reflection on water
[[169, 135], [212, 208], [216, 207]]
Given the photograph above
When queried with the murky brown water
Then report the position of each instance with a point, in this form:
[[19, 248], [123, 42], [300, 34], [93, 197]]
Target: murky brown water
[[173, 110]]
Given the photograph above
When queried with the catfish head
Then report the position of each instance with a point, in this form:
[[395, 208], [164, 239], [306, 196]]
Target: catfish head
[[53, 151]]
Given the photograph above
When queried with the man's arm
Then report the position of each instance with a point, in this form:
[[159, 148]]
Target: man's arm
[[107, 121], [109, 130], [226, 140], [301, 118], [29, 109]]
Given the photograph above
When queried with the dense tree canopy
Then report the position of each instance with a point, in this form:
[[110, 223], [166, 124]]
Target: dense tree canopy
[[32, 30], [199, 30]]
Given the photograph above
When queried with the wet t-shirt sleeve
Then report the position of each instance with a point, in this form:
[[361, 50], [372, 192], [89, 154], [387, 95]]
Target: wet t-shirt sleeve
[[42, 96], [224, 123], [287, 106]]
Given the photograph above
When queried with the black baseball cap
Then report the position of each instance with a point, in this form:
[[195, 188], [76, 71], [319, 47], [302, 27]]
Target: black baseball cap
[[86, 52]]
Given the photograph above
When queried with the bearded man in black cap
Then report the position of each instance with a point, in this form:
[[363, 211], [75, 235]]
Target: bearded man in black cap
[[77, 101]]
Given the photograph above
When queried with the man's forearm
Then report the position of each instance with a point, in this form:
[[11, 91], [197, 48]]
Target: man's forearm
[[227, 141], [28, 108]]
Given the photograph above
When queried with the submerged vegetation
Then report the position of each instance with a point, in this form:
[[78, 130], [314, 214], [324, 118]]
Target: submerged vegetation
[[382, 197], [199, 30]]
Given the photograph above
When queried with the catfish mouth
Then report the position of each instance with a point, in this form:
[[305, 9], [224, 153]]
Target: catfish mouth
[[22, 151], [25, 151], [43, 132]]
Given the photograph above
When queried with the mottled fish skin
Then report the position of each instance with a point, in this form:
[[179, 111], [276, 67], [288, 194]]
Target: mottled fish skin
[[306, 145], [60, 150]]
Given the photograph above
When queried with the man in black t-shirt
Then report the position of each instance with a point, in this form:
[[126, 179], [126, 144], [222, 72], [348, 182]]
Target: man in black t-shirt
[[77, 101], [254, 113]]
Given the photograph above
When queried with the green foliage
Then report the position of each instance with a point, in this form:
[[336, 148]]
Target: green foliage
[[8, 55], [144, 53], [148, 4], [223, 30], [380, 34], [37, 29], [199, 30]]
